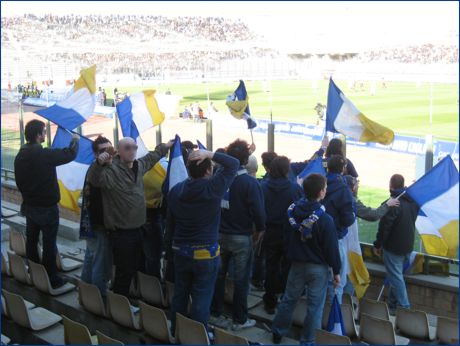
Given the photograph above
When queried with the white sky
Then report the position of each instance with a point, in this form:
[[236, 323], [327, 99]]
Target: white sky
[[357, 24]]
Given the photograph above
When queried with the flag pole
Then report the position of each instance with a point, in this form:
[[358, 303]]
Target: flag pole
[[401, 194]]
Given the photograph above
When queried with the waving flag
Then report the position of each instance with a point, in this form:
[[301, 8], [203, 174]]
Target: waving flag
[[153, 182], [138, 113], [71, 176], [78, 106], [200, 145], [437, 195], [335, 322], [343, 117], [177, 172], [357, 270], [238, 105], [314, 166]]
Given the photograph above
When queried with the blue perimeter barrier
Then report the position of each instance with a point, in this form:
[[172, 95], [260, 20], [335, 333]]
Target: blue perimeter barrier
[[401, 144]]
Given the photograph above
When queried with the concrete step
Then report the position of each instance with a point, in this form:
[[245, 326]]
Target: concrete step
[[5, 231]]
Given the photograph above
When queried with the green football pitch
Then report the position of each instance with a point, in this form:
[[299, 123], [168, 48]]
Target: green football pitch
[[403, 107]]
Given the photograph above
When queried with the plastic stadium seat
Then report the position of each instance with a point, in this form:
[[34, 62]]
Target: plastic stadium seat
[[42, 282], [5, 266], [190, 332], [103, 339], [18, 243], [326, 311], [35, 319], [377, 331], [374, 308], [76, 333], [121, 310], [222, 337], [412, 324], [90, 298], [346, 299], [323, 337], [447, 331], [5, 340], [151, 290], [300, 311], [66, 264], [29, 306], [349, 321], [18, 269], [154, 322]]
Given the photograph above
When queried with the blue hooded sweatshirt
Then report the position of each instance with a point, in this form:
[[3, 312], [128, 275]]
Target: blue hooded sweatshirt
[[246, 207], [339, 203], [194, 205], [322, 247], [279, 194]]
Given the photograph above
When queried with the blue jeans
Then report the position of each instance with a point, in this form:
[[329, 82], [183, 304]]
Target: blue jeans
[[194, 278], [343, 276], [303, 275], [152, 233], [97, 266], [45, 220], [239, 249], [394, 268]]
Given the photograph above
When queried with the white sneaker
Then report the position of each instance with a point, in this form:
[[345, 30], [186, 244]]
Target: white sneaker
[[221, 321], [248, 324]]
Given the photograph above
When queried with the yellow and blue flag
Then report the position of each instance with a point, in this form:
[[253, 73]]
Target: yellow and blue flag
[[343, 117], [78, 106], [238, 105], [437, 195], [71, 176], [177, 172], [137, 113]]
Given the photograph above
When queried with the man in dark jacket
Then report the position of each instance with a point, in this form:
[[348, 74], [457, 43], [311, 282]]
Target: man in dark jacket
[[313, 248], [279, 194], [340, 206], [194, 218], [242, 207], [396, 237], [36, 179]]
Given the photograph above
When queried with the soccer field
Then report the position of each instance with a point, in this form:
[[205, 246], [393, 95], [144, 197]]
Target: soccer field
[[403, 107]]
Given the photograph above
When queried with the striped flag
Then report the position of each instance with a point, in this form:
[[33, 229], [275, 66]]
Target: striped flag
[[78, 106], [71, 176], [200, 145], [314, 166], [177, 172], [335, 322], [238, 105], [343, 117]]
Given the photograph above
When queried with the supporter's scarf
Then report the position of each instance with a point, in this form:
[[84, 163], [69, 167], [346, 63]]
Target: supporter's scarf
[[305, 227], [225, 202]]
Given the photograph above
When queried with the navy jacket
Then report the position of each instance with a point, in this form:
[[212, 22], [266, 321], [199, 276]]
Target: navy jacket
[[397, 227], [279, 194], [246, 207], [339, 203], [194, 205], [322, 247]]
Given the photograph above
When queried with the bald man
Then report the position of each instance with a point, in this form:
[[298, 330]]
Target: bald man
[[120, 179]]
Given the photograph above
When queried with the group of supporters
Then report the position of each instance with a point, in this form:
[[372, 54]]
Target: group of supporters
[[282, 234]]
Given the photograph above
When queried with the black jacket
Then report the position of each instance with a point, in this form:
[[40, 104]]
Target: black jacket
[[397, 227], [35, 172], [323, 247]]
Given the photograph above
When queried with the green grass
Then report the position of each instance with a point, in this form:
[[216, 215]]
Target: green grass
[[403, 107]]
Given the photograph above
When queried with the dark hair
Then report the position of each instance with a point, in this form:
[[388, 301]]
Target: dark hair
[[334, 148], [239, 149], [336, 164], [99, 140], [351, 181], [396, 181], [198, 171], [312, 185], [33, 129], [267, 158], [279, 167]]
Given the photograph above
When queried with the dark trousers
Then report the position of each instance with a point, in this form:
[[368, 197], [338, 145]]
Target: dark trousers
[[195, 278], [46, 220], [152, 234], [276, 267], [126, 246]]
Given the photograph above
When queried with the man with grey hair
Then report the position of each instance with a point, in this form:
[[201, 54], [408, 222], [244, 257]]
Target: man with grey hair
[[120, 179]]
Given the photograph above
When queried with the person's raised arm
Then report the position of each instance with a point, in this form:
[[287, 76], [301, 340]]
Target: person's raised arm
[[58, 157], [148, 161]]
